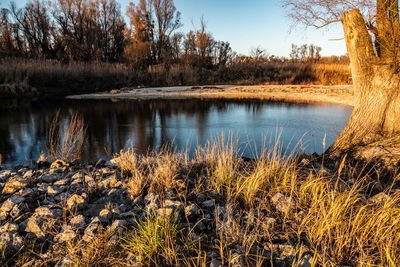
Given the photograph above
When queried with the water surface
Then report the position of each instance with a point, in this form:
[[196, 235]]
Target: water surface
[[149, 124]]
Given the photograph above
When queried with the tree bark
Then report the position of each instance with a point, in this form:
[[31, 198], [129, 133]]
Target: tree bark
[[376, 82]]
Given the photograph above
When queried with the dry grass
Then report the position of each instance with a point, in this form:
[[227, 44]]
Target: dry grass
[[155, 172], [66, 138], [20, 77], [334, 219]]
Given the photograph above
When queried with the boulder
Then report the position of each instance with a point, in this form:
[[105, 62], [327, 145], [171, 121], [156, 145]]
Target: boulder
[[76, 202], [15, 184]]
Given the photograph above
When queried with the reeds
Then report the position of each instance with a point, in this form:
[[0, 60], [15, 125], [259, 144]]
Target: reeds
[[20, 77], [66, 138]]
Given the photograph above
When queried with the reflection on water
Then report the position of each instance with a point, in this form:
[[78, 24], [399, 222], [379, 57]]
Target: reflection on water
[[150, 124]]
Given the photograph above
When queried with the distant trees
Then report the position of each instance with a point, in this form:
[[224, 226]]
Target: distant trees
[[82, 30], [305, 53]]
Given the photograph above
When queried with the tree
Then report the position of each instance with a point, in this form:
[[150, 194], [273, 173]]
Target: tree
[[372, 34]]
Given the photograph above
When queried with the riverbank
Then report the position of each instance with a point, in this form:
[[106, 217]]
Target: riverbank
[[335, 94], [216, 209]]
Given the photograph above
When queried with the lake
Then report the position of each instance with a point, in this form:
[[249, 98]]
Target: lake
[[150, 124]]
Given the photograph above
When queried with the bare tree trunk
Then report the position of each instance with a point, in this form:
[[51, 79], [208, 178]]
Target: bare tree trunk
[[376, 81]]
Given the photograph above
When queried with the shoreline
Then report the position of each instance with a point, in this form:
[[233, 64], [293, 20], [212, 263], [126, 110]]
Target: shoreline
[[334, 94]]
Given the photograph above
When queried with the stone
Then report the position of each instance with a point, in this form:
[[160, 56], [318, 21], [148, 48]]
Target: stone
[[49, 178], [76, 202], [4, 175], [268, 222], [192, 210], [30, 263], [165, 212], [35, 226], [28, 174], [78, 222], [17, 211], [62, 182], [306, 261], [11, 240], [236, 260], [67, 234], [9, 204], [151, 198], [283, 203], [48, 211], [118, 226], [91, 230], [9, 227], [208, 204], [67, 261], [379, 198], [15, 184], [109, 182], [215, 263], [105, 215], [55, 190]]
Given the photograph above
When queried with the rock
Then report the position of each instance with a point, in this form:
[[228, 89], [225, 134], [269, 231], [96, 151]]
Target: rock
[[62, 182], [15, 184], [36, 226], [17, 210], [379, 198], [67, 234], [77, 175], [192, 210], [151, 198], [165, 212], [109, 182], [67, 261], [118, 226], [28, 174], [215, 263], [4, 175], [9, 227], [208, 204], [283, 203], [306, 261], [269, 222], [91, 230], [236, 260], [48, 212], [11, 240], [105, 215], [285, 251], [31, 263], [49, 178], [55, 190], [9, 204], [128, 214], [78, 222], [75, 202]]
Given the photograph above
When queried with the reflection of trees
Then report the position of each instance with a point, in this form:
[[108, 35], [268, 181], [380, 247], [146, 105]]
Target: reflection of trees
[[109, 124], [144, 124]]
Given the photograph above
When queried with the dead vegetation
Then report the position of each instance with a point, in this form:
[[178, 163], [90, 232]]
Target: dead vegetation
[[66, 138]]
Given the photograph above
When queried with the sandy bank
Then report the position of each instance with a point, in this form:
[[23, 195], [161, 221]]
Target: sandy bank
[[336, 94]]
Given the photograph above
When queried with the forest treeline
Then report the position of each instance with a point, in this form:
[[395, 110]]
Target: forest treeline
[[149, 45]]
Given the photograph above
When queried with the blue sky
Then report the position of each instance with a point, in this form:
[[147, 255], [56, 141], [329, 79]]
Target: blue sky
[[251, 23]]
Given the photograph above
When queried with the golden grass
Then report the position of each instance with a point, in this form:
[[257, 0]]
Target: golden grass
[[19, 77], [66, 138], [333, 219]]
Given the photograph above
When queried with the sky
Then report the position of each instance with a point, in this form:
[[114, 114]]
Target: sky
[[247, 24]]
